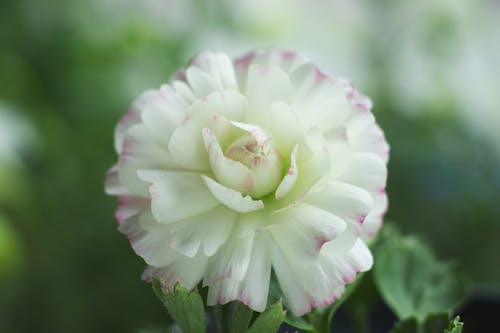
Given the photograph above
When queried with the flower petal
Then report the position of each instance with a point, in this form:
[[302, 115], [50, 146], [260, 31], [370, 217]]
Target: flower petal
[[231, 261], [209, 230], [129, 206], [266, 85], [344, 267], [301, 231], [318, 100], [365, 170], [313, 161], [255, 286], [296, 298], [253, 289], [163, 111], [112, 183], [285, 60], [153, 246], [290, 178], [219, 67], [186, 144], [231, 198], [285, 128], [228, 172], [188, 271], [350, 203], [132, 117], [141, 150], [177, 195]]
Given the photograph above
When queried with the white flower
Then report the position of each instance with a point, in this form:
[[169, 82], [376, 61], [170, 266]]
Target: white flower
[[236, 167]]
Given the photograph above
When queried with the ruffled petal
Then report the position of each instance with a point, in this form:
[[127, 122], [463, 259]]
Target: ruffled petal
[[231, 261], [177, 195], [350, 203], [228, 172], [231, 198], [290, 178], [208, 230], [129, 206], [162, 112], [318, 100], [365, 135], [152, 245], [141, 150], [313, 161], [112, 183], [255, 286], [253, 289], [285, 60], [374, 220], [132, 117], [285, 128], [188, 271], [301, 231], [296, 298], [266, 85], [309, 285], [186, 143], [367, 171], [219, 67]]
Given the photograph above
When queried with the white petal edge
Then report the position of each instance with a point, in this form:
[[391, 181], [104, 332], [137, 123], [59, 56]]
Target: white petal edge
[[177, 195], [231, 198], [290, 178]]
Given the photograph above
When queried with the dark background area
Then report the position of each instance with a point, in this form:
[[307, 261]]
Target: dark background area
[[69, 70]]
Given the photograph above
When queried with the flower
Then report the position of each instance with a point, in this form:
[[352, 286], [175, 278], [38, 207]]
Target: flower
[[234, 168]]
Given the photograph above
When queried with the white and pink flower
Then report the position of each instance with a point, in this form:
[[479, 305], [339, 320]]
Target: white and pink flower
[[236, 168]]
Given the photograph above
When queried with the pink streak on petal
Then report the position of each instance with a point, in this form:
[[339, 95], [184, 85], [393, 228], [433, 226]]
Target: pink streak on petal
[[361, 218], [319, 75], [287, 55], [179, 75], [126, 148], [245, 60], [245, 299], [320, 242], [263, 70]]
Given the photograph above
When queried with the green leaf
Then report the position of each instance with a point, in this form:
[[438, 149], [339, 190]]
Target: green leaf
[[298, 322], [270, 320], [186, 308], [413, 283], [455, 326], [241, 318], [409, 325], [434, 323]]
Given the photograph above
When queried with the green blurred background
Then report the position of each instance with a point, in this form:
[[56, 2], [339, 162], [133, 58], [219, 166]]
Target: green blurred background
[[69, 70]]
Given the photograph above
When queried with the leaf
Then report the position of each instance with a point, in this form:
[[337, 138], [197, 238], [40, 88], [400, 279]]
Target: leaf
[[413, 283], [298, 322], [434, 323], [241, 318], [409, 325], [455, 326], [186, 308], [270, 320]]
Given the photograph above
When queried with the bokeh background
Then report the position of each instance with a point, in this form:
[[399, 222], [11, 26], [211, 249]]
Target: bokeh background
[[69, 70]]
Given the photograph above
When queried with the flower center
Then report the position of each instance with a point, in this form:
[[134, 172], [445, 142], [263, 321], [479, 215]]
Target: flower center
[[262, 159]]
